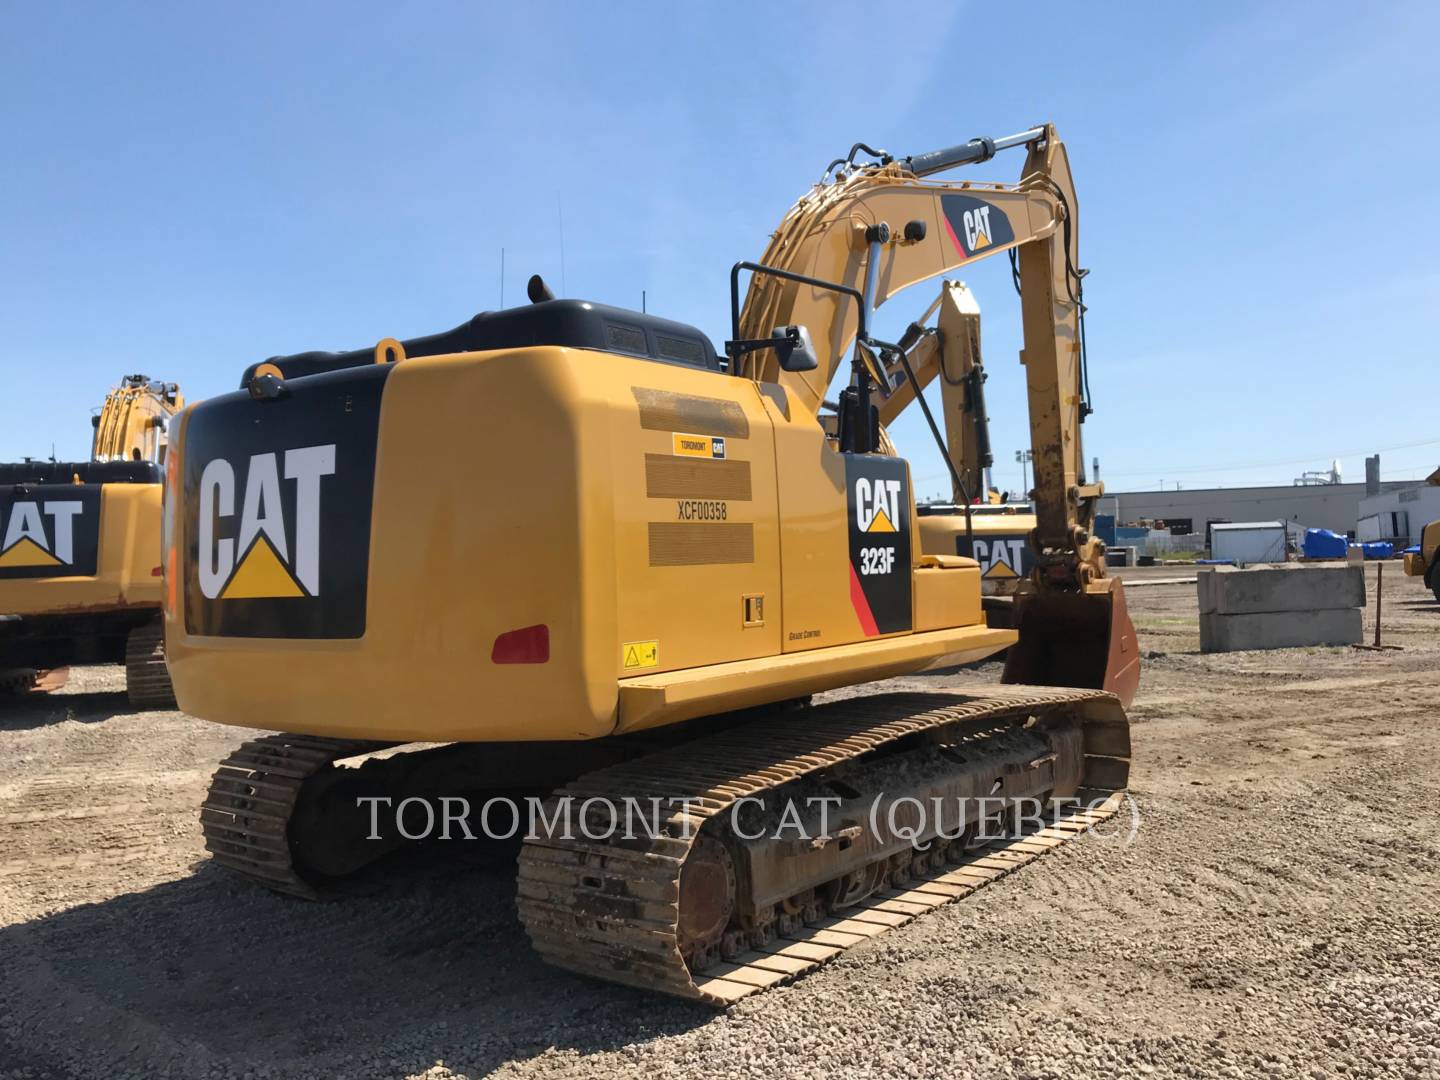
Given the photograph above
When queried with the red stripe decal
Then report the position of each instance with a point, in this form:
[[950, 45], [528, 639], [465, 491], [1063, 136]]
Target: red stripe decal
[[951, 230], [861, 605]]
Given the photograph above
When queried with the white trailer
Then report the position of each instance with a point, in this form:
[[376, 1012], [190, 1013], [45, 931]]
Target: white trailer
[[1249, 542], [1387, 525]]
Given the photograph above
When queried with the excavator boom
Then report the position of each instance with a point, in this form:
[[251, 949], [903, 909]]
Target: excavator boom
[[132, 423], [876, 230]]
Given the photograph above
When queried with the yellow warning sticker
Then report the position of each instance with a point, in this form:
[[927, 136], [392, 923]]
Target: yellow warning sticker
[[706, 446], [638, 654]]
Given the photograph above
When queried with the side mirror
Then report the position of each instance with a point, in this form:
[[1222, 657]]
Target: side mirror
[[792, 345]]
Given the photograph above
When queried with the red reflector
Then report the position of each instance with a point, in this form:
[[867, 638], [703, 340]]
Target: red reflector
[[159, 571], [528, 645]]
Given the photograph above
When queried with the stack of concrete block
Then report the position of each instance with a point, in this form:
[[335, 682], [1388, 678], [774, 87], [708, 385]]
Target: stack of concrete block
[[1281, 607]]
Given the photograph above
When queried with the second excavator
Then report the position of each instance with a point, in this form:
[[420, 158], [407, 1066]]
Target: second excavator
[[601, 560], [80, 570], [977, 523]]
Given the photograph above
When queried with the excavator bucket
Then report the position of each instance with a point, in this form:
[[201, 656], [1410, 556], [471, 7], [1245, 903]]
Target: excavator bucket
[[1079, 639]]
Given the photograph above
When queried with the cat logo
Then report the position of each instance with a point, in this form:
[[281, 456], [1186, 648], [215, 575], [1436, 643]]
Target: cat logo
[[30, 542], [877, 494], [276, 500], [268, 557], [877, 504], [49, 530], [1001, 557], [977, 227]]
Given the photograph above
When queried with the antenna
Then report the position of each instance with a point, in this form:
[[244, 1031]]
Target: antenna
[[642, 301], [560, 215], [502, 279]]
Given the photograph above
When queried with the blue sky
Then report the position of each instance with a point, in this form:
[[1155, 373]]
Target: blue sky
[[190, 187]]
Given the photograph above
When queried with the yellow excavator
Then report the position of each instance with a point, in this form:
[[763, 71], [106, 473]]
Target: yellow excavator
[[598, 560], [80, 559], [1425, 562]]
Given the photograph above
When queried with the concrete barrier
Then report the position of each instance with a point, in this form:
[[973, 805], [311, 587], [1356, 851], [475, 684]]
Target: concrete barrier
[[1280, 607]]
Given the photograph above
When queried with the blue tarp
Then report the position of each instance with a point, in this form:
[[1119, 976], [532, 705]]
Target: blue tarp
[[1379, 549], [1323, 544], [1105, 529], [1413, 549], [1214, 562]]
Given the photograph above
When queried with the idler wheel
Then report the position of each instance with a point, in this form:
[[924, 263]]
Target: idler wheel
[[707, 899]]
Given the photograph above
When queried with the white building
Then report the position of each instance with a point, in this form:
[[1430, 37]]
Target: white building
[[1406, 510], [1313, 506]]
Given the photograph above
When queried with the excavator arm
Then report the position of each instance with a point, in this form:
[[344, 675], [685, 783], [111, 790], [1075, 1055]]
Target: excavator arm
[[131, 425], [880, 229], [877, 229], [949, 351]]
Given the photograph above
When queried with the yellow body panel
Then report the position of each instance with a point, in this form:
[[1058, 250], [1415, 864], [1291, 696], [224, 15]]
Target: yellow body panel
[[651, 602], [942, 591], [650, 701], [546, 486], [128, 568]]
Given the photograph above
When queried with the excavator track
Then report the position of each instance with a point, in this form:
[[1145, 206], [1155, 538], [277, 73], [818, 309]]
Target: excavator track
[[246, 813], [147, 678], [618, 908], [17, 681]]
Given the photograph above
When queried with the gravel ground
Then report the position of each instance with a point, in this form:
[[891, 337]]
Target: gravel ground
[[1273, 914]]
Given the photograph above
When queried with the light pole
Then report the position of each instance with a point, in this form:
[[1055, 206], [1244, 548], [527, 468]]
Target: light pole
[[1024, 457]]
